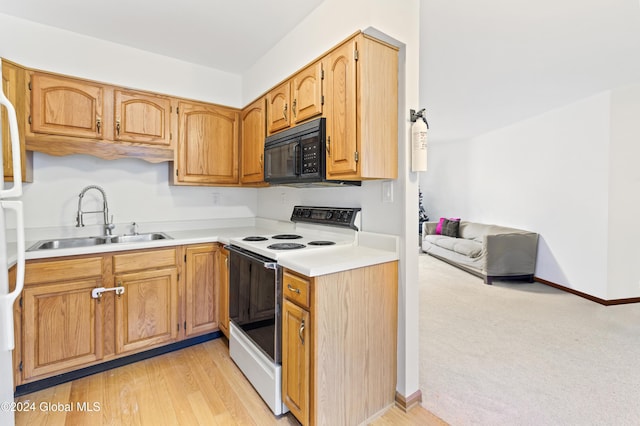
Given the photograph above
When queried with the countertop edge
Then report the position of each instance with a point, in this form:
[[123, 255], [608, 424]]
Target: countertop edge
[[372, 249]]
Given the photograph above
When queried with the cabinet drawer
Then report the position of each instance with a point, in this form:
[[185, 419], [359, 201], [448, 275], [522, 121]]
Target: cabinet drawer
[[61, 270], [144, 260], [296, 289]]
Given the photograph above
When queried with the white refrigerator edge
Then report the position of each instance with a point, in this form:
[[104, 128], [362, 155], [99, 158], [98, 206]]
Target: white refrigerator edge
[[9, 201]]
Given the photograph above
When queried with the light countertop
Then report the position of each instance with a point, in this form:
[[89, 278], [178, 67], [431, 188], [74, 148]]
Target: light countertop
[[370, 249]]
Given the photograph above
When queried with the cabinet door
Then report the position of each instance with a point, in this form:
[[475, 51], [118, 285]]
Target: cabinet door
[[296, 358], [207, 144], [147, 312], [13, 88], [253, 134], [65, 106], [340, 110], [142, 118], [223, 285], [278, 113], [307, 93], [201, 289], [62, 327]]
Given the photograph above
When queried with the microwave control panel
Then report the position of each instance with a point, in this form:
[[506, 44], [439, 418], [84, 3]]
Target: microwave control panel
[[311, 160]]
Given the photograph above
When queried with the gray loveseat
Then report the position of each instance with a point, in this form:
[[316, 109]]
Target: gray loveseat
[[489, 251]]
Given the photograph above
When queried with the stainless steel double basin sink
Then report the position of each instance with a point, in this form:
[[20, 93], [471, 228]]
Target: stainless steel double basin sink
[[65, 243]]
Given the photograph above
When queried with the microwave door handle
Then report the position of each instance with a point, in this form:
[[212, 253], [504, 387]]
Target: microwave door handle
[[298, 159]]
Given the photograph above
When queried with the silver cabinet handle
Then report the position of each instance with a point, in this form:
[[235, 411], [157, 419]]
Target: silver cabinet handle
[[295, 290], [96, 293], [301, 331]]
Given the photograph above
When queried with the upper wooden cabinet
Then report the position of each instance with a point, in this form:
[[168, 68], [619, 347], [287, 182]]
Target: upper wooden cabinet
[[278, 109], [354, 86], [67, 107], [68, 115], [252, 142], [307, 98], [13, 88], [142, 118], [295, 100], [207, 144], [361, 107]]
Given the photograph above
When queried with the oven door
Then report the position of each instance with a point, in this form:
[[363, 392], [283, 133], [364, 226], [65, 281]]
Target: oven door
[[254, 299]]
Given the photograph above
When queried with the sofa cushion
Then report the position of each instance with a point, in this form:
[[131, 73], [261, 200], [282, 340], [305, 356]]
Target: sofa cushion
[[441, 222], [464, 247], [473, 231], [450, 227]]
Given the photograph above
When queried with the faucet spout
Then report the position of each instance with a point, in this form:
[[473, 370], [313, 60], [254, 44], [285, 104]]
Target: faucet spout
[[108, 226]]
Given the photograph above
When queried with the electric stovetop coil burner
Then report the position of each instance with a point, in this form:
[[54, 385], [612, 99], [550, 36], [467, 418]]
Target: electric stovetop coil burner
[[321, 243], [286, 246], [254, 238], [286, 237]]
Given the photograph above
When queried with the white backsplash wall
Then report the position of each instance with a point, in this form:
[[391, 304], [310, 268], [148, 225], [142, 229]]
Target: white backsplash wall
[[377, 216], [136, 191]]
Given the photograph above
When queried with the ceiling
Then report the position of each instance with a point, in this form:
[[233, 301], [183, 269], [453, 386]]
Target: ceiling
[[226, 35]]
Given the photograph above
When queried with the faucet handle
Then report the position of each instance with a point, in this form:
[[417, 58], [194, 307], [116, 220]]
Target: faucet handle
[[109, 226]]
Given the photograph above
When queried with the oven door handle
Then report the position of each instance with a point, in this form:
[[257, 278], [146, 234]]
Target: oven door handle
[[267, 264]]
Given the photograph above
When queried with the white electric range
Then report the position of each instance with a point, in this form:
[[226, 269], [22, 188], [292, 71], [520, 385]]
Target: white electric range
[[336, 227], [255, 290]]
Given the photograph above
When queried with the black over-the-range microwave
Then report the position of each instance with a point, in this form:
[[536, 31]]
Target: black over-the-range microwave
[[296, 156]]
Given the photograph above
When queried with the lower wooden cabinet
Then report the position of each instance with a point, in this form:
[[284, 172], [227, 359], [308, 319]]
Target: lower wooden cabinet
[[296, 360], [201, 289], [339, 336], [61, 327], [147, 312]]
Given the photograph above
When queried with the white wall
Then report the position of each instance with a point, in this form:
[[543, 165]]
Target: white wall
[[42, 47], [548, 174], [624, 194], [137, 190], [332, 22]]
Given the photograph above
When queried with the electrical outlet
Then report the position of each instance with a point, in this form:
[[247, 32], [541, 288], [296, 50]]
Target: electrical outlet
[[216, 198], [387, 191], [283, 197]]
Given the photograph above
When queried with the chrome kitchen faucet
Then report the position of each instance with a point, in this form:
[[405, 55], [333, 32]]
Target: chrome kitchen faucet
[[108, 226]]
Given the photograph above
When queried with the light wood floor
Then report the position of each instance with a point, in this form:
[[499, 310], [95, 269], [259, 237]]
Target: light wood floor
[[199, 385]]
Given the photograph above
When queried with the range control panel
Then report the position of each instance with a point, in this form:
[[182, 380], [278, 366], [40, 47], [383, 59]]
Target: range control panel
[[331, 216]]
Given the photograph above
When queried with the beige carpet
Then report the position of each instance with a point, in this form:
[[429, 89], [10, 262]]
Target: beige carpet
[[524, 354]]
